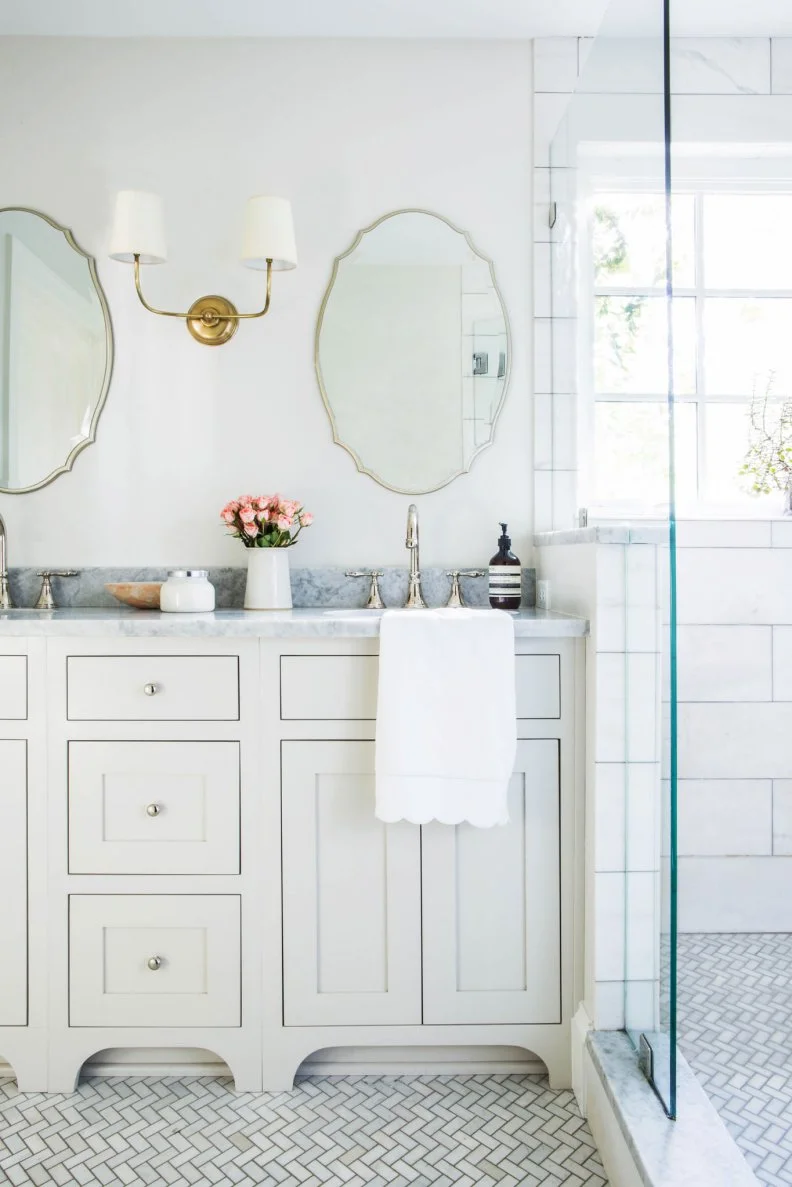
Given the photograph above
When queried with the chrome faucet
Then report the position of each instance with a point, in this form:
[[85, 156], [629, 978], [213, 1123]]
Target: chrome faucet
[[5, 593], [414, 595]]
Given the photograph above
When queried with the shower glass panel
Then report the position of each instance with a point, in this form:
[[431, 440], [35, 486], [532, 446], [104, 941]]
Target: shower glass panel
[[620, 349]]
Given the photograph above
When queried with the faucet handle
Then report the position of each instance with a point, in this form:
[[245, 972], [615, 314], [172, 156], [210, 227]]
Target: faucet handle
[[46, 600], [375, 601], [455, 597]]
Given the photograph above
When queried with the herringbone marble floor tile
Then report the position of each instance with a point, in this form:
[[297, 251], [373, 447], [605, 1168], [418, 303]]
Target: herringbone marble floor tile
[[735, 1029], [473, 1131]]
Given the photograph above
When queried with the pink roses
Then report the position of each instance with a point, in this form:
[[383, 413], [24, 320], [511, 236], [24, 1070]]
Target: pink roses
[[265, 521]]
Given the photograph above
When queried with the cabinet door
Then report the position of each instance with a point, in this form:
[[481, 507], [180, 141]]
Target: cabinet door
[[351, 894], [491, 906], [13, 883]]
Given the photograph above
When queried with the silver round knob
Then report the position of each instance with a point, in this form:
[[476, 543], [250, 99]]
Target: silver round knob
[[153, 809], [154, 962], [151, 690]]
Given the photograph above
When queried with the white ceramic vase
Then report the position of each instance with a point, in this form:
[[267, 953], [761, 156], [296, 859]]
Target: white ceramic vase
[[268, 581]]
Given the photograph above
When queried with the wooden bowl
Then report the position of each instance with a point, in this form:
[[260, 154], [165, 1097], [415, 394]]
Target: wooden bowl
[[143, 595]]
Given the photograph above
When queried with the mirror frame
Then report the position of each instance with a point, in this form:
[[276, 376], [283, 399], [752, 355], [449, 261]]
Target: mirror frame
[[362, 469], [109, 340]]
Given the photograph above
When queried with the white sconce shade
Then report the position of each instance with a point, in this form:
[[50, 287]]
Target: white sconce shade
[[138, 228], [269, 234]]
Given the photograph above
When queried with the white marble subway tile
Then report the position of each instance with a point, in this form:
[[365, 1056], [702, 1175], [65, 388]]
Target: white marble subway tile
[[642, 1005], [623, 65], [611, 725], [642, 695], [724, 533], [720, 66], [549, 111], [643, 816], [609, 925], [562, 277], [782, 817], [728, 894], [781, 58], [725, 663], [564, 498], [781, 533], [564, 354], [782, 665], [541, 204], [725, 817], [608, 1005], [543, 431], [543, 500], [543, 354], [543, 303], [642, 917], [610, 808], [564, 431], [611, 576], [748, 740], [713, 590], [642, 628], [555, 63], [609, 628]]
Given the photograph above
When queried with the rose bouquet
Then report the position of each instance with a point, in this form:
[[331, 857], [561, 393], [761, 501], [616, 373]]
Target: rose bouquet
[[265, 521]]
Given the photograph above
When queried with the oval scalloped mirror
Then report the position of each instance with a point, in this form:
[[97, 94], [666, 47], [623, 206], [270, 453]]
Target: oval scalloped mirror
[[56, 350], [413, 351]]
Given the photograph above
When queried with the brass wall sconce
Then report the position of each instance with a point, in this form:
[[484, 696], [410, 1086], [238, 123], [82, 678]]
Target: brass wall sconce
[[138, 237]]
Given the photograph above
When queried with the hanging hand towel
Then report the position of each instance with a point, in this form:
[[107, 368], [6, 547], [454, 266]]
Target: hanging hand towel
[[446, 716]]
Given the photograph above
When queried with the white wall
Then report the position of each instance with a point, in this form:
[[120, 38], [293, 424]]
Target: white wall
[[348, 130]]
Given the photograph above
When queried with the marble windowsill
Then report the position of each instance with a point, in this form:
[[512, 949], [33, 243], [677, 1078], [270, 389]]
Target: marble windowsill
[[622, 533], [695, 1149], [313, 622]]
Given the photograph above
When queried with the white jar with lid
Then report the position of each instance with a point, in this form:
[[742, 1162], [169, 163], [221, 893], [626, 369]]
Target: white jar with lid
[[187, 591]]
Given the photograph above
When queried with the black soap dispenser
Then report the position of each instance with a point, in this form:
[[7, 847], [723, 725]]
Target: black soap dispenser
[[505, 576]]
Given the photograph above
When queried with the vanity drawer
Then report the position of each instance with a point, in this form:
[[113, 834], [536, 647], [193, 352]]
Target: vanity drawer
[[328, 687], [13, 687], [154, 807], [154, 960], [538, 687], [153, 687]]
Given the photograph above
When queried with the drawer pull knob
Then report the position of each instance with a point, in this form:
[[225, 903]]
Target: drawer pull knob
[[154, 963], [153, 809], [151, 690]]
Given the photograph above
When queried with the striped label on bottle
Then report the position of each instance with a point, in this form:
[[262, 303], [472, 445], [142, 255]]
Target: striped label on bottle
[[505, 581]]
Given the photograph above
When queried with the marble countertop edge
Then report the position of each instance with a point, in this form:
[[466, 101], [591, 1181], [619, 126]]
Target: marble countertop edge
[[329, 623]]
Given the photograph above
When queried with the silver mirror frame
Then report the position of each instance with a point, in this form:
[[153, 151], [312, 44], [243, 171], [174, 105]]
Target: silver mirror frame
[[320, 320], [91, 438]]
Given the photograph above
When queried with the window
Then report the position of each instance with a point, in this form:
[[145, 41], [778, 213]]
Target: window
[[732, 313]]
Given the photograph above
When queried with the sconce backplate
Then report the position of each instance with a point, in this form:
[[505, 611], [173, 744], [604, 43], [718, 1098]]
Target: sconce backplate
[[211, 320]]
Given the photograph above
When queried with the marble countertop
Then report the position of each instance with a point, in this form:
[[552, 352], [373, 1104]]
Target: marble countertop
[[270, 624]]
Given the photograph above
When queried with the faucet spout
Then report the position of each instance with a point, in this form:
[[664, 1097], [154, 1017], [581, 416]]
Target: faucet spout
[[5, 593], [414, 594]]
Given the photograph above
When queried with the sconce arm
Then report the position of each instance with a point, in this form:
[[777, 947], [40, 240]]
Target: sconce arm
[[230, 316]]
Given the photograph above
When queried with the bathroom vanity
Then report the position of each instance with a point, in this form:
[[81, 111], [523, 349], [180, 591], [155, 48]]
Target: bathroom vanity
[[190, 856]]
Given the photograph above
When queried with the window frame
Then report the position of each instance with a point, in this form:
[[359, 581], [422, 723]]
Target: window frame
[[756, 171]]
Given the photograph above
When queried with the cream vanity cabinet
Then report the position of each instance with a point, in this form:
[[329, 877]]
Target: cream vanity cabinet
[[189, 859]]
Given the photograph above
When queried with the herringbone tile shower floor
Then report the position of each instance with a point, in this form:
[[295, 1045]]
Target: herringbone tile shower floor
[[735, 1029], [491, 1131]]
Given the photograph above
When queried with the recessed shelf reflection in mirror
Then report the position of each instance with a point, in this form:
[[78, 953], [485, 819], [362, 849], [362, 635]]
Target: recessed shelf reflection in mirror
[[413, 351], [56, 350]]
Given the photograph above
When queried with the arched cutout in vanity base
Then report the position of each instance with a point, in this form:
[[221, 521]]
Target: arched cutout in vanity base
[[285, 1052], [73, 1050], [25, 1051]]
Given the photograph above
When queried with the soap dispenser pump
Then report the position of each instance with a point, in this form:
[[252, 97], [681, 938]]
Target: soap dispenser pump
[[505, 576]]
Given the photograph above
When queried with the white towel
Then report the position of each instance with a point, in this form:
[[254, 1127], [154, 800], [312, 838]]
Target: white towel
[[446, 716]]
